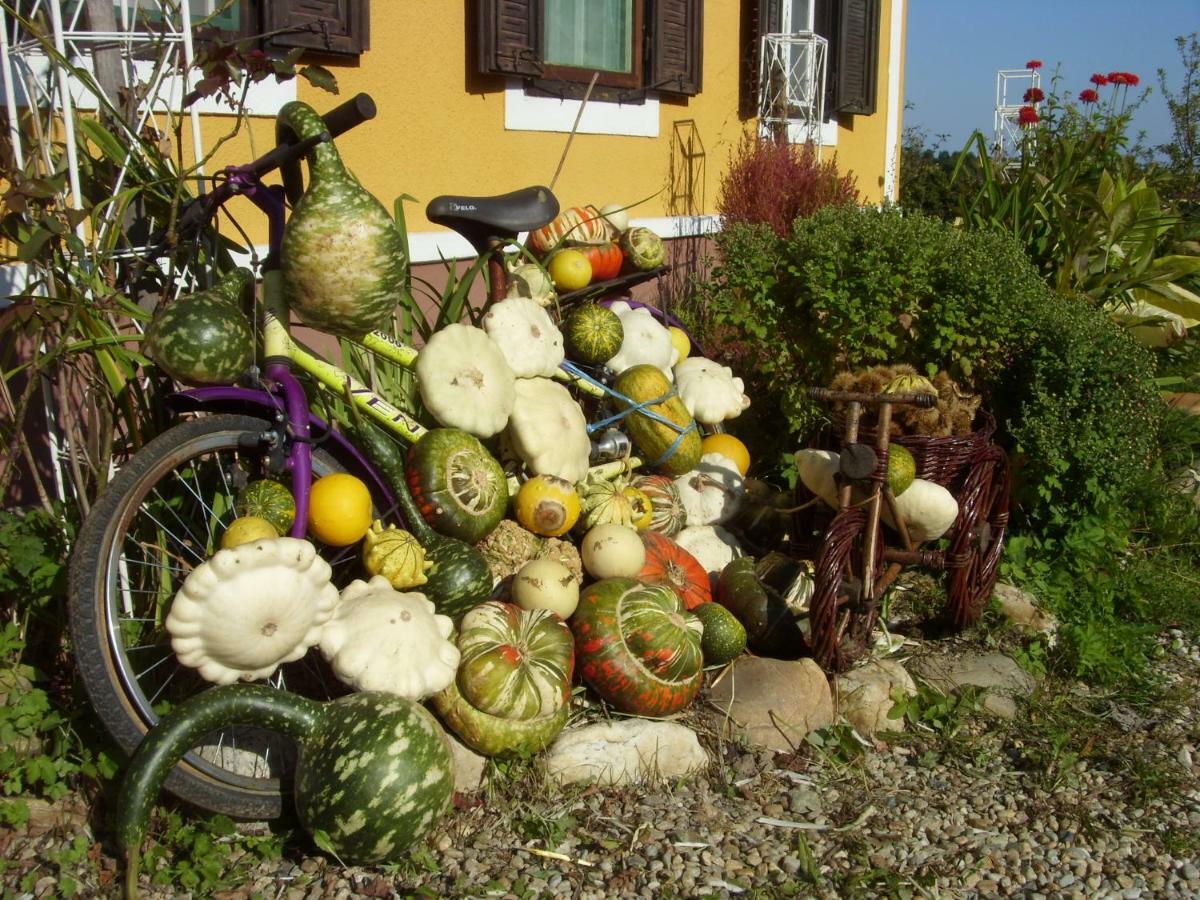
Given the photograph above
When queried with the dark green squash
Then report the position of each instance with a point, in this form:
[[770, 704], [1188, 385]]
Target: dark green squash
[[343, 260], [771, 628], [374, 770], [458, 486], [460, 578], [204, 338]]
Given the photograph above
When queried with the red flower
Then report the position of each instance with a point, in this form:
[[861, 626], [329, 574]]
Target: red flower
[[1033, 64], [1088, 96], [1131, 79], [1034, 95], [1027, 116], [1126, 78], [1099, 80]]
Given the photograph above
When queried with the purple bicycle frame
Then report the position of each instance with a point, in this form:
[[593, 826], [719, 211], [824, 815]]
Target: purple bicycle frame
[[284, 393]]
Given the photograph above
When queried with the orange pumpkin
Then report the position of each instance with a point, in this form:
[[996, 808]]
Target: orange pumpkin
[[670, 565], [575, 225], [606, 260]]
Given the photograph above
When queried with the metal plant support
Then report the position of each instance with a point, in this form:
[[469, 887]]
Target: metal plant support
[[791, 84], [1010, 137]]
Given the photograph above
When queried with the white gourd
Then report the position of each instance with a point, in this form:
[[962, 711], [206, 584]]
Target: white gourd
[[928, 509], [380, 639], [465, 381], [709, 390], [526, 335], [711, 492], [247, 610], [612, 551], [548, 431], [713, 547], [818, 470], [644, 340]]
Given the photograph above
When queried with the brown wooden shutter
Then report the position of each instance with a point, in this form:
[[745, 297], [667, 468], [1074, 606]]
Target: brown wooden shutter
[[759, 17], [855, 56], [508, 38], [340, 27], [675, 46]]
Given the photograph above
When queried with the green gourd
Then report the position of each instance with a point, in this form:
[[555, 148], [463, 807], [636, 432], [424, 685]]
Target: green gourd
[[204, 338], [459, 578], [343, 261]]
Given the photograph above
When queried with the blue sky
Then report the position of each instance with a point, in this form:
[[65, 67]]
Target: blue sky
[[955, 48]]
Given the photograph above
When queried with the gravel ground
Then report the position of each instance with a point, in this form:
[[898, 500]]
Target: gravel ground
[[1080, 796]]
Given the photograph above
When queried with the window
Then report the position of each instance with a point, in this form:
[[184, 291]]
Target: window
[[599, 36], [851, 28], [554, 46]]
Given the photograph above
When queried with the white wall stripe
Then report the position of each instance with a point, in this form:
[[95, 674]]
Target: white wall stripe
[[892, 135]]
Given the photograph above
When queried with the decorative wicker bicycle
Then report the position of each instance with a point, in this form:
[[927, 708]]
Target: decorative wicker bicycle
[[854, 565]]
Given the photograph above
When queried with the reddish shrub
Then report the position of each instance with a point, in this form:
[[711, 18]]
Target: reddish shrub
[[774, 182]]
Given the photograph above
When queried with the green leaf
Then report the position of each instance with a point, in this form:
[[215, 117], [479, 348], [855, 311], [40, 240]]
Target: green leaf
[[320, 77]]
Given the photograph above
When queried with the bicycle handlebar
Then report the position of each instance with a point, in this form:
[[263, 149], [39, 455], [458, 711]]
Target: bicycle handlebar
[[358, 109], [923, 400]]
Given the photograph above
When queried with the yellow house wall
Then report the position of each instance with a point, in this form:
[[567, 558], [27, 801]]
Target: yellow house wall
[[440, 127]]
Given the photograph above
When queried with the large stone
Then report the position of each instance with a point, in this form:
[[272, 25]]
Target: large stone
[[468, 766], [774, 702], [1001, 678], [1020, 607], [624, 752], [864, 695]]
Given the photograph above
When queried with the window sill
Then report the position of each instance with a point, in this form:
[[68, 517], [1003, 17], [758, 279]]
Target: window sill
[[529, 112], [798, 133]]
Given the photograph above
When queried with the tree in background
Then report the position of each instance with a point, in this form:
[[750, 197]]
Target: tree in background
[[926, 175], [1183, 153]]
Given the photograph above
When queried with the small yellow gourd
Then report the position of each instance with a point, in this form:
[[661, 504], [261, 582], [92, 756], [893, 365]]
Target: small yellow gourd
[[396, 555]]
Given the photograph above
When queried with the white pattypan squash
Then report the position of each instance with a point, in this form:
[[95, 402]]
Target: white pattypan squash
[[709, 390], [465, 381], [713, 547], [250, 608], [526, 335], [928, 509], [645, 340], [380, 639], [548, 431], [711, 492], [818, 471]]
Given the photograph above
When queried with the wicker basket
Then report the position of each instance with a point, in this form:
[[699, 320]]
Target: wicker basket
[[943, 459]]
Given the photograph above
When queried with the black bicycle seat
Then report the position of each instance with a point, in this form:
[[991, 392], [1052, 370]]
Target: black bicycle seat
[[482, 220]]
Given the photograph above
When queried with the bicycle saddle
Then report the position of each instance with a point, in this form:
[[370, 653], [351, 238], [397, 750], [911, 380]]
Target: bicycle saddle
[[484, 219]]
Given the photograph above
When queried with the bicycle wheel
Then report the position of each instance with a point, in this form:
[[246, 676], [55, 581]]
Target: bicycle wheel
[[160, 517], [978, 537], [840, 616]]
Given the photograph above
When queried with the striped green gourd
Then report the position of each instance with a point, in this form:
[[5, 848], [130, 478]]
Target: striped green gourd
[[268, 500], [204, 338], [343, 260], [374, 771], [458, 486], [459, 577], [593, 333], [637, 647], [513, 688]]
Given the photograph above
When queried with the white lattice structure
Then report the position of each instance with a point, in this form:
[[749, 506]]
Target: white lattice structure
[[791, 83], [1011, 87], [154, 43]]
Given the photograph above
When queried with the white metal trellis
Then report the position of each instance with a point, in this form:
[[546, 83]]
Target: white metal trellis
[[1011, 88], [34, 79], [791, 83]]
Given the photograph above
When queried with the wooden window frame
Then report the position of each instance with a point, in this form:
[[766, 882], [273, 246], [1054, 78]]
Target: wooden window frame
[[576, 74]]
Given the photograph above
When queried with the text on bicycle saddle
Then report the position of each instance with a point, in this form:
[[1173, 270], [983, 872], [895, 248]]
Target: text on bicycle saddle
[[482, 219]]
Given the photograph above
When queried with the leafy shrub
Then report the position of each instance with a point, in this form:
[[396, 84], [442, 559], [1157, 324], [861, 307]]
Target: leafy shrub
[[772, 182], [851, 287]]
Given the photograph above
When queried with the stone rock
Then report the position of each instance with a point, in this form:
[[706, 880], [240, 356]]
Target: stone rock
[[775, 702], [864, 695], [468, 766], [1020, 607], [68, 814], [1000, 676], [624, 752]]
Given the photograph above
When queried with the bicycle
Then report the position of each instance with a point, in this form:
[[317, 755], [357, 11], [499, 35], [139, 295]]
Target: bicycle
[[854, 565], [163, 511]]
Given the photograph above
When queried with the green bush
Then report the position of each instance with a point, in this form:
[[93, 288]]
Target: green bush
[[1080, 407]]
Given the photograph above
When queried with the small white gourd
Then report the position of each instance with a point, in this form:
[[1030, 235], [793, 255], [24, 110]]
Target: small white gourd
[[526, 335], [711, 492], [548, 431], [928, 509], [546, 584], [612, 551], [248, 609], [818, 470], [713, 547], [709, 390], [465, 381], [644, 340], [380, 639]]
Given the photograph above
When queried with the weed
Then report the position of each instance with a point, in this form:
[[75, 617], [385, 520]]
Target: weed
[[837, 744]]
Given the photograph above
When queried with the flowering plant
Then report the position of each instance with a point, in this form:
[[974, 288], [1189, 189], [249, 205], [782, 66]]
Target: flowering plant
[[1090, 218]]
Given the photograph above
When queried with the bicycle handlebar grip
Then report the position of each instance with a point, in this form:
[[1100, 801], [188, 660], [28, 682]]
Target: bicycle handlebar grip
[[924, 401], [358, 109]]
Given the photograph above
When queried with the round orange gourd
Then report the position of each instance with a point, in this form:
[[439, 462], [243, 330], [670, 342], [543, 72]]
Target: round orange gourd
[[339, 509], [670, 565], [730, 448]]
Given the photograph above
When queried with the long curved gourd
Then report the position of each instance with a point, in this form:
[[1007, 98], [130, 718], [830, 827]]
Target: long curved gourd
[[374, 770], [343, 261]]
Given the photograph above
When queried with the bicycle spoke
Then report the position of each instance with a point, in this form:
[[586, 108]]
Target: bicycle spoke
[[162, 687], [150, 669]]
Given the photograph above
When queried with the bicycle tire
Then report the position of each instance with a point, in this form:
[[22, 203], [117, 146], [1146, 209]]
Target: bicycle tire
[[98, 632]]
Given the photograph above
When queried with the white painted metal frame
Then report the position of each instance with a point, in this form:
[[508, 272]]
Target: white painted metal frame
[[1009, 136], [791, 83]]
